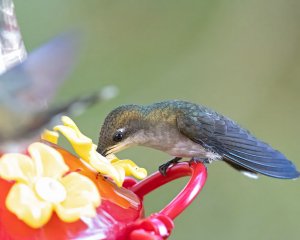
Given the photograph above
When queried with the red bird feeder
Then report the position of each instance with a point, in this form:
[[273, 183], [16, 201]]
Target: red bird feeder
[[121, 213]]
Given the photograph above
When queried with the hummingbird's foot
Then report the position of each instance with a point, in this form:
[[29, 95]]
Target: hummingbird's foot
[[164, 167]]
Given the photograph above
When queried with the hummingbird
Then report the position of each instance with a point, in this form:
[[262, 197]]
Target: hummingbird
[[188, 130]]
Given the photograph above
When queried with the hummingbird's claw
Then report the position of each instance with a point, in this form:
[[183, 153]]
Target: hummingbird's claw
[[164, 167]]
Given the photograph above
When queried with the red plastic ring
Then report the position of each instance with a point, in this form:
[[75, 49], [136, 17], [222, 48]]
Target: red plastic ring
[[198, 174]]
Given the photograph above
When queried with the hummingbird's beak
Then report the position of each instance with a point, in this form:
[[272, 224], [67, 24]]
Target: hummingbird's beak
[[115, 148]]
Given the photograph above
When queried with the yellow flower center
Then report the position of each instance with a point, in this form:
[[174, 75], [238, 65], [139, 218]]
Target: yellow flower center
[[50, 190]]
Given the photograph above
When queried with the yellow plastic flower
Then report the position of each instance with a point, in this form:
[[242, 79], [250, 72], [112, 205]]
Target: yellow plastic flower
[[43, 185], [112, 166]]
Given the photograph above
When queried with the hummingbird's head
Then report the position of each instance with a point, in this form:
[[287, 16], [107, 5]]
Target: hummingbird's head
[[119, 129]]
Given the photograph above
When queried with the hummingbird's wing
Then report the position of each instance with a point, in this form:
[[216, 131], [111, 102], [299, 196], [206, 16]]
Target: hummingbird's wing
[[27, 88], [235, 144]]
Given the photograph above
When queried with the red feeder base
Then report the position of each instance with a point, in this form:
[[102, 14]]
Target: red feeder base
[[121, 213]]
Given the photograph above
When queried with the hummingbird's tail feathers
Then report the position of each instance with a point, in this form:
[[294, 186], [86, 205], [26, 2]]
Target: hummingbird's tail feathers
[[274, 165], [240, 147]]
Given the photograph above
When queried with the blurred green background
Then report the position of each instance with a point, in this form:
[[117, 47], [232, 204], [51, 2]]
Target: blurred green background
[[241, 58]]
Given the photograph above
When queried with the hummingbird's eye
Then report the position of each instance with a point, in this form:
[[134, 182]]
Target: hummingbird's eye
[[118, 137]]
